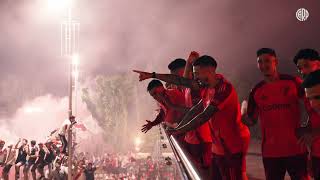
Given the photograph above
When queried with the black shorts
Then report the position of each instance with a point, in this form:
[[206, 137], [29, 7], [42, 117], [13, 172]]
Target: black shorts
[[22, 161], [276, 168], [30, 162], [227, 167], [201, 153]]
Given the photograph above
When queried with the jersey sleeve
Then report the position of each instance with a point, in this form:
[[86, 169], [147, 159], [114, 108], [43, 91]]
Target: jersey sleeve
[[222, 96]]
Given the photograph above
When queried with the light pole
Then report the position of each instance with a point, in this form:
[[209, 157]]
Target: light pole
[[70, 50]]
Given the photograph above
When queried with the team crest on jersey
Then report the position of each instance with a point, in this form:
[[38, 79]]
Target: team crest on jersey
[[264, 97]]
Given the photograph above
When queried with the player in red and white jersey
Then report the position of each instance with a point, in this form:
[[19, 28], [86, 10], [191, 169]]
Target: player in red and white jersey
[[198, 141], [308, 61], [176, 67], [219, 106], [275, 102], [161, 95]]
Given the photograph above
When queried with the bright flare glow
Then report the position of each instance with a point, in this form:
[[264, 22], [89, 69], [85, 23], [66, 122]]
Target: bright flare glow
[[137, 149], [75, 74], [75, 59], [58, 5], [137, 141], [32, 110]]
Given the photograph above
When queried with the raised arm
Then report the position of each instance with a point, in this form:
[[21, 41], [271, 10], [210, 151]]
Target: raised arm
[[9, 150], [188, 69], [169, 78], [17, 145]]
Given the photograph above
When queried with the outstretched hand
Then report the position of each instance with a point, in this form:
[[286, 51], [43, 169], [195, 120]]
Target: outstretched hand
[[147, 127], [143, 75]]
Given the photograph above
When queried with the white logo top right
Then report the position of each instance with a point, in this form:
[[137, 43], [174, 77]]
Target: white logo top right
[[302, 14]]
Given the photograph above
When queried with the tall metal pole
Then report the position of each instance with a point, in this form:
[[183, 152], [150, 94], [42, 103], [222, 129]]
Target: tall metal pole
[[69, 48], [70, 153]]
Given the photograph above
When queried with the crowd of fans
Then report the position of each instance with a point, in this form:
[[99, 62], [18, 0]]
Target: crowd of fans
[[31, 160]]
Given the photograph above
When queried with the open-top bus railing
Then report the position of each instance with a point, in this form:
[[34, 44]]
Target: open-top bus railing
[[186, 166]]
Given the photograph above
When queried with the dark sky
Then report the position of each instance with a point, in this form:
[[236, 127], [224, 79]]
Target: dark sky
[[121, 35]]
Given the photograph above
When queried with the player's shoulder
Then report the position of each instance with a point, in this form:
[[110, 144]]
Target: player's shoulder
[[223, 82], [224, 87], [258, 86], [174, 92], [287, 77], [176, 95]]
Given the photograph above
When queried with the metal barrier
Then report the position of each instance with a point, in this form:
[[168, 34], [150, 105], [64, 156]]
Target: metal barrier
[[186, 166]]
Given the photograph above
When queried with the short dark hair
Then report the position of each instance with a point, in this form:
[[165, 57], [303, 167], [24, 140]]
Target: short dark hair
[[33, 142], [154, 83], [176, 64], [309, 54], [266, 51], [312, 79], [205, 60]]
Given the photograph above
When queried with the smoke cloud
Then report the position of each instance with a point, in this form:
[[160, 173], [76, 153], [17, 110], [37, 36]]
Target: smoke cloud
[[40, 116], [117, 36]]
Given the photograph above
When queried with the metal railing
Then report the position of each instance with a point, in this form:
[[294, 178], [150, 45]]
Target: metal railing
[[186, 166]]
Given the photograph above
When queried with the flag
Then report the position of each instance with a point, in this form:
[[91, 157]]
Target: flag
[[80, 126]]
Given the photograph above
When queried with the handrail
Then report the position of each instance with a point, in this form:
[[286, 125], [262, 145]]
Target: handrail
[[187, 166]]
